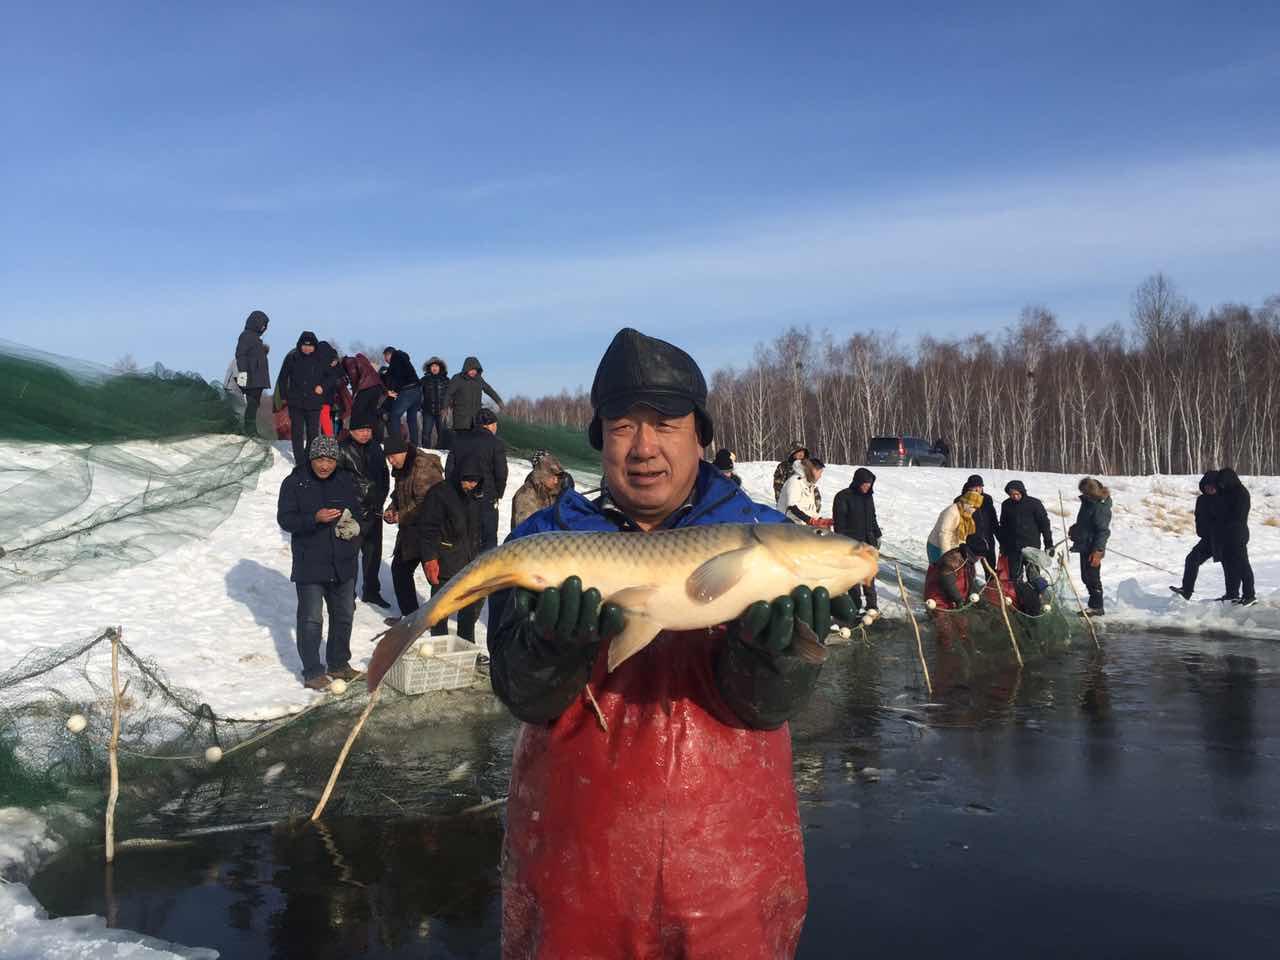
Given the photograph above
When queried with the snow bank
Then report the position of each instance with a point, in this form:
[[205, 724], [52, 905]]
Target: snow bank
[[27, 933]]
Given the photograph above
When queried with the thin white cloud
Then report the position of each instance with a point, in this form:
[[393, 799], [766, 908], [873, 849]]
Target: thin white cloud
[[948, 251]]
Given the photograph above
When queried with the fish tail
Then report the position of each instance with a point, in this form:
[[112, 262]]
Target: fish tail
[[485, 575]]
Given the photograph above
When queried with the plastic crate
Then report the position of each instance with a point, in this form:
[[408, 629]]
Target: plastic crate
[[437, 663]]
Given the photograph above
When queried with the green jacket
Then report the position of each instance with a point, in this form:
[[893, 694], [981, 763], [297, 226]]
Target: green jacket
[[1092, 528]]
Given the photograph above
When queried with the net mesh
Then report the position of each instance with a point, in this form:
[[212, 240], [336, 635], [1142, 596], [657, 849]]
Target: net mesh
[[106, 469]]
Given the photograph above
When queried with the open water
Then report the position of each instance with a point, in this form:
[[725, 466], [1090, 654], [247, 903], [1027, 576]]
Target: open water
[[1117, 805]]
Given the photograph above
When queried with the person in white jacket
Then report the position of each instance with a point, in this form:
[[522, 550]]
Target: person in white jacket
[[955, 525], [799, 501]]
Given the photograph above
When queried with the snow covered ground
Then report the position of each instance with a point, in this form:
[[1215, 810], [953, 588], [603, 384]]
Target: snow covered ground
[[218, 615]]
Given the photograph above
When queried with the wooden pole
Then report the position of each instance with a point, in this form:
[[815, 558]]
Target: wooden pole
[[113, 745], [346, 749], [1062, 506], [1004, 609], [916, 627]]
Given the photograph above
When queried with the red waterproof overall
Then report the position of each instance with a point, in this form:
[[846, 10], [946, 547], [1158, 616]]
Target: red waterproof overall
[[675, 834]]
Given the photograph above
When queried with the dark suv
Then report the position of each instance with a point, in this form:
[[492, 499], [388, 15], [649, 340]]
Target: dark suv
[[903, 452]]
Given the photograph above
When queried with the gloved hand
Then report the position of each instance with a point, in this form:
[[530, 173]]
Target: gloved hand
[[432, 569], [1095, 558], [242, 379], [768, 671], [568, 617], [347, 527], [542, 653]]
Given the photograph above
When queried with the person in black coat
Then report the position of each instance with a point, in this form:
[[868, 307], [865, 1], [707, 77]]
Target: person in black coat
[[1024, 522], [463, 394], [435, 383], [482, 448], [1231, 537], [1206, 506], [853, 512], [306, 381], [362, 456], [253, 376], [984, 519], [325, 549], [404, 392], [447, 528]]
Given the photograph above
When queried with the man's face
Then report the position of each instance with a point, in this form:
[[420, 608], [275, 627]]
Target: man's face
[[1210, 489], [386, 356], [552, 482], [865, 486], [435, 369], [308, 348], [650, 462], [362, 435], [470, 485], [473, 373], [491, 427], [800, 454], [977, 490], [1015, 495], [323, 467], [396, 460]]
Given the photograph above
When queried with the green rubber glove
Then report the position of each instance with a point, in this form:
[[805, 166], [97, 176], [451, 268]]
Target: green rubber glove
[[567, 616], [770, 626]]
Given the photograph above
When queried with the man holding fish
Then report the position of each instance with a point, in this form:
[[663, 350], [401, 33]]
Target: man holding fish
[[652, 810]]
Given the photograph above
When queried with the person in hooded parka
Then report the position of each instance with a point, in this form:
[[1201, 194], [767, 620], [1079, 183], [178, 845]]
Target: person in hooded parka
[[253, 375], [853, 512], [1231, 537], [1205, 516], [463, 394], [305, 383], [1024, 522]]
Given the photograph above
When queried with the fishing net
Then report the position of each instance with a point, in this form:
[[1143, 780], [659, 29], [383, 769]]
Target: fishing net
[[100, 470], [438, 751]]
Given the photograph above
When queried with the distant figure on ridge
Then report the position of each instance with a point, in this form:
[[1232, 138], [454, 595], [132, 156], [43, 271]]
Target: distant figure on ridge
[[463, 394], [253, 375]]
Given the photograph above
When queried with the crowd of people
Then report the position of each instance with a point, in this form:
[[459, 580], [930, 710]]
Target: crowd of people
[[361, 438]]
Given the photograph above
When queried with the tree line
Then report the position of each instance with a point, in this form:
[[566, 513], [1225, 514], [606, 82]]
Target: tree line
[[1174, 390]]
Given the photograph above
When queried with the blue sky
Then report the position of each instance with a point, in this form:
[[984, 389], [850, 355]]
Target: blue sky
[[520, 180]]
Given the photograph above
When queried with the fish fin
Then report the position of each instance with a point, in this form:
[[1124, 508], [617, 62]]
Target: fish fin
[[806, 644], [635, 636], [634, 600], [718, 576]]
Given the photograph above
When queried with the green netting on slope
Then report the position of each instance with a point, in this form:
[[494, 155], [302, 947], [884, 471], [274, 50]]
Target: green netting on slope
[[569, 444], [425, 754], [51, 399], [101, 470]]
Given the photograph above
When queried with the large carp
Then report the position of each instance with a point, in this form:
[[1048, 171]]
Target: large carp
[[682, 579]]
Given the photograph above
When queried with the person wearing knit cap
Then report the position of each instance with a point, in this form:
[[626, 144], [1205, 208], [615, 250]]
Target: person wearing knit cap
[[318, 505]]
